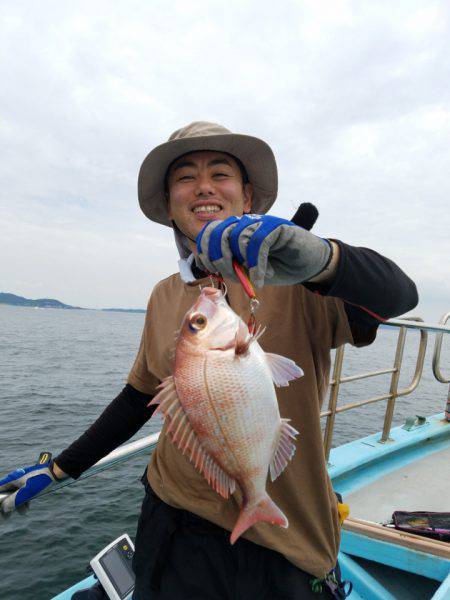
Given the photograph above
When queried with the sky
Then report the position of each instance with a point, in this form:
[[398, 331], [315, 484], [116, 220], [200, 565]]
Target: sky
[[353, 98]]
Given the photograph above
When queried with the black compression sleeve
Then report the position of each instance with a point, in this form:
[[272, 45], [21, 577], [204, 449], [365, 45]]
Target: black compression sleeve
[[118, 423], [367, 281]]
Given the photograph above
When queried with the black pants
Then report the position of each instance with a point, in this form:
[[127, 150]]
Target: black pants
[[180, 556]]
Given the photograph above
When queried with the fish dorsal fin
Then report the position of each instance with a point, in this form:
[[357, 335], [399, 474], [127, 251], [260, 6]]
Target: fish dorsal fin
[[285, 449], [283, 369], [183, 436]]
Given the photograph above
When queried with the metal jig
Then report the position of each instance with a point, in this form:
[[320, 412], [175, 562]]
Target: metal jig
[[250, 291]]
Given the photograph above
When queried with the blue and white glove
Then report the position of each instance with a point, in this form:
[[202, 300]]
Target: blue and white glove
[[275, 251], [22, 485]]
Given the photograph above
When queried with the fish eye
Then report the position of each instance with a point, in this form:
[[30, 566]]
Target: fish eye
[[197, 322]]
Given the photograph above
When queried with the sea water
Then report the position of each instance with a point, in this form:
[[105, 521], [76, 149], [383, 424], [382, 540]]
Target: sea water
[[59, 369]]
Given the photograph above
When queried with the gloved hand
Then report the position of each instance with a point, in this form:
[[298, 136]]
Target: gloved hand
[[28, 482], [275, 251]]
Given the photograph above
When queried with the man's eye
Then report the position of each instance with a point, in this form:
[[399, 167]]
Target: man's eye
[[185, 177], [220, 174]]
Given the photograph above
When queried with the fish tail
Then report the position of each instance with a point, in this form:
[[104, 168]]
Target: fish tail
[[265, 511]]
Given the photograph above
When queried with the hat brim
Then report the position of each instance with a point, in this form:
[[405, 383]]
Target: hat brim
[[256, 156]]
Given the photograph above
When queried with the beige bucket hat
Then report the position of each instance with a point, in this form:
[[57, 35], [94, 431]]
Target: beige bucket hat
[[256, 156]]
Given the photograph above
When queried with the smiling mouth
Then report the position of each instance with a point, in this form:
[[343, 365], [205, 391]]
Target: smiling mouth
[[207, 209]]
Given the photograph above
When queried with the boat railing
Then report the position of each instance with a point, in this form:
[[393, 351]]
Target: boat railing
[[143, 445], [414, 323], [437, 353]]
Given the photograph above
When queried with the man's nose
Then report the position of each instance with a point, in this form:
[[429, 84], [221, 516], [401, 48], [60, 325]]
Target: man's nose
[[205, 186]]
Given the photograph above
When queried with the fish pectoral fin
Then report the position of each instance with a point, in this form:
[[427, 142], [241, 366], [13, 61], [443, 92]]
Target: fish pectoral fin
[[285, 449], [242, 339], [283, 369]]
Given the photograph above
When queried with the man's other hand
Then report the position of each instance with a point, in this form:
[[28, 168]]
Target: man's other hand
[[22, 485]]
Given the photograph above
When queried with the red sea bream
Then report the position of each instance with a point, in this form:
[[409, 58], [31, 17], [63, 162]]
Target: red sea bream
[[222, 408]]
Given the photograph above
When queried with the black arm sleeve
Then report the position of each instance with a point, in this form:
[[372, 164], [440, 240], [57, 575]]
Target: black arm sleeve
[[368, 283], [118, 423]]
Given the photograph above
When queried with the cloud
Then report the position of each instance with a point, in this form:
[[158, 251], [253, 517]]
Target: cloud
[[353, 98]]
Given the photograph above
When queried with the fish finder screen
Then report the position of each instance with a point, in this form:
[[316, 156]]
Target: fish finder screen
[[121, 577]]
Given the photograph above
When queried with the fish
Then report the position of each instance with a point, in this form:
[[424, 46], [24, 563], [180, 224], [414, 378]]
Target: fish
[[222, 409]]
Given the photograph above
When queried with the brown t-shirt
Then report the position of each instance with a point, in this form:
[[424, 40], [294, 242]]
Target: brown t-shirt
[[303, 327]]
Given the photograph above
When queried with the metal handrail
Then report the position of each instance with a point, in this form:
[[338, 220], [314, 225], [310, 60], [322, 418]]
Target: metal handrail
[[437, 352], [430, 327], [408, 323], [364, 375], [394, 392], [414, 323]]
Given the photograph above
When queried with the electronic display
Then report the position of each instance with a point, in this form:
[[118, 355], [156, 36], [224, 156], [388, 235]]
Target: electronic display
[[118, 572]]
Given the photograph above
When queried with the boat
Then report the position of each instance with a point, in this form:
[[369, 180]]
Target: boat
[[399, 468], [403, 468]]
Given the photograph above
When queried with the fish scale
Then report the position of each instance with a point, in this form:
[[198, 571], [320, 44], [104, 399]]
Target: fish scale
[[252, 415]]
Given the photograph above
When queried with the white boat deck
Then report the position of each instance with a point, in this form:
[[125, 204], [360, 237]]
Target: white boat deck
[[423, 485]]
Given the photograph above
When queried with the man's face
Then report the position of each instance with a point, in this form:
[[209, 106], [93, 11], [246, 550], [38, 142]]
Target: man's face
[[204, 186]]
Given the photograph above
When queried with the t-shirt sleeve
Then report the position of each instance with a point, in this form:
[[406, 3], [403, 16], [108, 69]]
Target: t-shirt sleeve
[[344, 332], [140, 376], [340, 332]]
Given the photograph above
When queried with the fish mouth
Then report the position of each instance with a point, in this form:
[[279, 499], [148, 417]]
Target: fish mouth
[[211, 293], [210, 298], [214, 295]]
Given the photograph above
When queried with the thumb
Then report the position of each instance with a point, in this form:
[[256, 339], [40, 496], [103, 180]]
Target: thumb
[[9, 504]]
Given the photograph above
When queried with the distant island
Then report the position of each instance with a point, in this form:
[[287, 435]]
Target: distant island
[[14, 300]]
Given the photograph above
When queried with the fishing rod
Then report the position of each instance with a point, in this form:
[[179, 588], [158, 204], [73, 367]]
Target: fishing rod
[[115, 457]]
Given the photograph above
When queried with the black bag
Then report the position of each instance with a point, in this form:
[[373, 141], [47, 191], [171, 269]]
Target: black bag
[[434, 525]]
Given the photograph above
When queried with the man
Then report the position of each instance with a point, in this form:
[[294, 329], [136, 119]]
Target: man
[[314, 295]]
